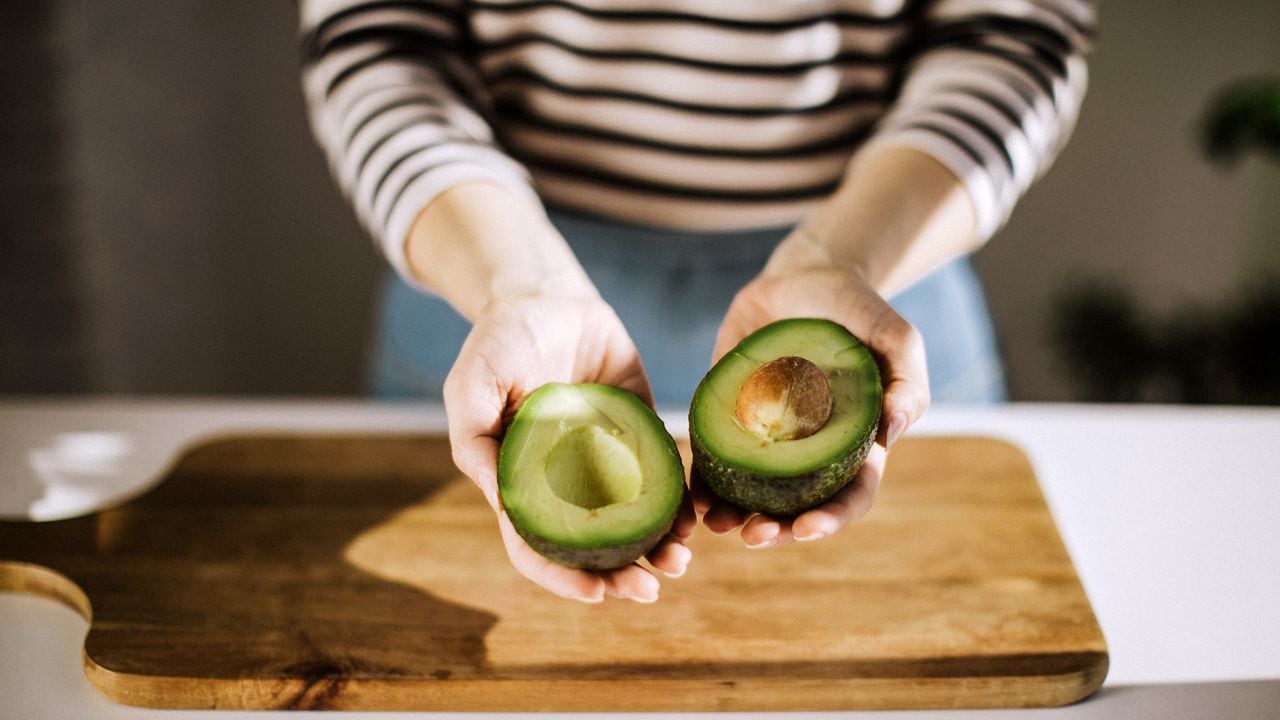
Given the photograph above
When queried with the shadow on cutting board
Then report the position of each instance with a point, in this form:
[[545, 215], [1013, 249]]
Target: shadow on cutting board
[[233, 569]]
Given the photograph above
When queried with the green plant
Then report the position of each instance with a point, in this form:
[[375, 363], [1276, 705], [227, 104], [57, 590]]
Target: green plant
[[1118, 351], [1104, 337], [1227, 352], [1245, 116]]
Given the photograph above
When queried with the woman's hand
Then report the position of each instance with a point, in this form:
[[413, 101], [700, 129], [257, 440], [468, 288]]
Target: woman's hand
[[536, 318], [517, 344], [802, 281], [898, 215]]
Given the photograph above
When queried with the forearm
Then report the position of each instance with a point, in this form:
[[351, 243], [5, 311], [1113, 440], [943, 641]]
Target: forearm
[[389, 99], [898, 215], [479, 241]]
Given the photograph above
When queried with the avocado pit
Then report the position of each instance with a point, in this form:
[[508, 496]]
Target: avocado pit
[[785, 399]]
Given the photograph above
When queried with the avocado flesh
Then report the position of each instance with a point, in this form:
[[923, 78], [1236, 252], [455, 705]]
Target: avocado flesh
[[589, 476], [788, 476]]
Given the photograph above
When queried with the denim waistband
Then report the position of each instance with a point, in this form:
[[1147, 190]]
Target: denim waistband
[[611, 242]]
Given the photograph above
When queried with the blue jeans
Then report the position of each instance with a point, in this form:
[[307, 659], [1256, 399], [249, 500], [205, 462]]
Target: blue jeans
[[671, 290]]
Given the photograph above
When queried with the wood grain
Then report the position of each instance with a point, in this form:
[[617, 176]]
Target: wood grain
[[362, 572]]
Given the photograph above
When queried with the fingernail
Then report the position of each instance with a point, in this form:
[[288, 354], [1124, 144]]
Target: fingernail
[[490, 492], [684, 562], [644, 600], [810, 538], [897, 426], [765, 544]]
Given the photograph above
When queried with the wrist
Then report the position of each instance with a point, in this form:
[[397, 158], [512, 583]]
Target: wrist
[[898, 215], [564, 286], [804, 251], [479, 242]]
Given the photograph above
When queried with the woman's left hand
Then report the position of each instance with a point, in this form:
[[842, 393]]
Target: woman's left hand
[[801, 281]]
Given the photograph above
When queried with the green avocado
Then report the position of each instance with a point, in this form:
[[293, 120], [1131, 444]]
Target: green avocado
[[758, 469], [589, 475]]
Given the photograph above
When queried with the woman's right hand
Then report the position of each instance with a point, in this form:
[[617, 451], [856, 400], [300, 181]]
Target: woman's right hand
[[517, 344], [535, 318]]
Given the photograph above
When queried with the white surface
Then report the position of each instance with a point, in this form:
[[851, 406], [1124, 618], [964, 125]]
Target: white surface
[[1172, 515], [61, 459]]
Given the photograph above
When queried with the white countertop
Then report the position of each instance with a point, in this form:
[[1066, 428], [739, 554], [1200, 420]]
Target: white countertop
[[1171, 514]]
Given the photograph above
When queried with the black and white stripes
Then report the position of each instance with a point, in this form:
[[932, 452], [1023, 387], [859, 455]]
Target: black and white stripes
[[992, 89], [700, 114]]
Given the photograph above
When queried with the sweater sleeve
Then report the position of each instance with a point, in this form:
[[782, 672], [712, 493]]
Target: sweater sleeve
[[397, 110], [993, 91]]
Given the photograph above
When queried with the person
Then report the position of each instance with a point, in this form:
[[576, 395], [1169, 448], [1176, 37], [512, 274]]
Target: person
[[565, 186]]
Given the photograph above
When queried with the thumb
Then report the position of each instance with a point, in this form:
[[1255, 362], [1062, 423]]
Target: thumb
[[475, 424], [904, 372], [478, 460], [738, 323]]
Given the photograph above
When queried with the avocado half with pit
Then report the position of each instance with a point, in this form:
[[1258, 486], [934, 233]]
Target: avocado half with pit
[[784, 420], [589, 476]]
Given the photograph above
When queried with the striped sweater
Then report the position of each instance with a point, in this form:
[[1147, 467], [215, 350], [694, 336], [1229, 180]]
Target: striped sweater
[[692, 114]]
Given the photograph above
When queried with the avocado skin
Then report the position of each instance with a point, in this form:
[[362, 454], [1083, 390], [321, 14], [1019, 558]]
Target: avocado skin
[[608, 558], [777, 496]]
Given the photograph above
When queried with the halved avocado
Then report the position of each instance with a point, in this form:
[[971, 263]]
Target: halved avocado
[[786, 456], [589, 475]]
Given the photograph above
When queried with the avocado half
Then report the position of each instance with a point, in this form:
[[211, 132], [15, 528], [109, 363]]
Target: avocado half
[[589, 475], [783, 477]]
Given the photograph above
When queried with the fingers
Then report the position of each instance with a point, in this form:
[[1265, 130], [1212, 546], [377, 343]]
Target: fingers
[[631, 583], [904, 371], [623, 368], [848, 505], [763, 531], [728, 336], [723, 517], [700, 495], [477, 458], [620, 365], [632, 379], [720, 517], [745, 315], [686, 520], [474, 412], [566, 582], [670, 556]]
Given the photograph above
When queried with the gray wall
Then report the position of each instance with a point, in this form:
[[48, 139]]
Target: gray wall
[[42, 335], [217, 253], [1131, 199], [211, 251], [185, 237]]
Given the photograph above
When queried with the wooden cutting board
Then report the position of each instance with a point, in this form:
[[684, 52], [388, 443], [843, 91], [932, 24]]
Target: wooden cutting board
[[363, 572]]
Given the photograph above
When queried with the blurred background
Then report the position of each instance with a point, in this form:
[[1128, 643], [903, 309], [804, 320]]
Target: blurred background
[[167, 224]]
